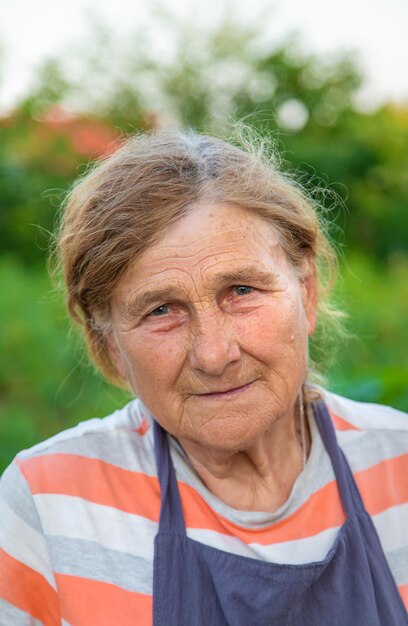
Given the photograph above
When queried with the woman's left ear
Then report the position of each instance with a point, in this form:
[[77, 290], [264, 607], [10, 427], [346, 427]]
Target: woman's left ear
[[310, 295]]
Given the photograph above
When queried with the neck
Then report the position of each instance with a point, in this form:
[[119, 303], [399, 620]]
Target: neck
[[259, 478]]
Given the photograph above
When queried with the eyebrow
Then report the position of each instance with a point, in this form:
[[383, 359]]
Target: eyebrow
[[148, 299], [247, 274], [240, 276]]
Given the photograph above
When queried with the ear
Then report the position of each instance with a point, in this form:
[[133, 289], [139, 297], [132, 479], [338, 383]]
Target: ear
[[310, 295], [116, 355]]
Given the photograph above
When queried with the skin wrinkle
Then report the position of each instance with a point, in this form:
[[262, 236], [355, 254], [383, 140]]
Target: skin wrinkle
[[244, 446], [137, 303]]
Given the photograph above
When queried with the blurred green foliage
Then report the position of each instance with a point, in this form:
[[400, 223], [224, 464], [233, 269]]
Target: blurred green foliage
[[46, 382], [373, 365], [207, 80]]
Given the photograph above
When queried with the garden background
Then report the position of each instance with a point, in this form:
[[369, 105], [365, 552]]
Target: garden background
[[82, 106]]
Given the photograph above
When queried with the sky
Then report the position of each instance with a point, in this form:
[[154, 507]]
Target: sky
[[374, 31]]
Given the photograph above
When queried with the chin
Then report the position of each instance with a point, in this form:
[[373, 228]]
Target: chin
[[230, 433]]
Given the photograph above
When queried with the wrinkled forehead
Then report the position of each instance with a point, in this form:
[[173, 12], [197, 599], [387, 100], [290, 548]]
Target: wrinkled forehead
[[205, 245], [204, 227]]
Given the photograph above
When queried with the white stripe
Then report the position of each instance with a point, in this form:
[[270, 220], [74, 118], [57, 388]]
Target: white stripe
[[347, 437], [367, 415], [12, 616], [75, 518], [392, 527], [24, 544], [127, 418], [124, 449], [296, 552], [365, 449]]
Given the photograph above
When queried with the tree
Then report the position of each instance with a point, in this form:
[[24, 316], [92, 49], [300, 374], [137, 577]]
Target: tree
[[206, 81]]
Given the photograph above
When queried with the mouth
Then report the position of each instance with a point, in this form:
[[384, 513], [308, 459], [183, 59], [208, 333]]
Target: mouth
[[226, 393]]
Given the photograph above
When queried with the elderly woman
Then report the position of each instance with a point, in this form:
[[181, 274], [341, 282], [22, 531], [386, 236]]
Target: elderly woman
[[232, 491]]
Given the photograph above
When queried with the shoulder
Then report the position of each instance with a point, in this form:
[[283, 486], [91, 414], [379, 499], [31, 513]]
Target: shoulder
[[374, 439], [369, 434], [353, 415], [122, 440], [73, 509]]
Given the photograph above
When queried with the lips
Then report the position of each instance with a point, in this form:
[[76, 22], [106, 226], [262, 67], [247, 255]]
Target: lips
[[225, 392]]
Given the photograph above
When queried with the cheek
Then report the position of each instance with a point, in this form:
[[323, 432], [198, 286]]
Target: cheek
[[273, 330], [153, 360]]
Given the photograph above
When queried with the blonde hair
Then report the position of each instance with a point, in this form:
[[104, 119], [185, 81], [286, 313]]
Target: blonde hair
[[129, 200]]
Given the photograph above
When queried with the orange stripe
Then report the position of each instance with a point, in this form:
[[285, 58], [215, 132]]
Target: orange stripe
[[86, 602], [403, 589], [27, 590], [134, 492], [340, 423], [322, 511], [384, 485], [94, 480]]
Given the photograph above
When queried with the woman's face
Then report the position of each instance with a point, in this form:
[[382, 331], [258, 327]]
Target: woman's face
[[210, 328]]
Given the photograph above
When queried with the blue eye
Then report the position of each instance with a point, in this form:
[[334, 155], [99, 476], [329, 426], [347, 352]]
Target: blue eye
[[160, 311], [242, 290]]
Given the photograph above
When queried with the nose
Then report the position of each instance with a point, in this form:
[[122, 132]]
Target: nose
[[214, 345]]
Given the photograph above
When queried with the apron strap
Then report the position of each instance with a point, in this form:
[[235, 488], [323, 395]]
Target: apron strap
[[346, 484], [171, 515]]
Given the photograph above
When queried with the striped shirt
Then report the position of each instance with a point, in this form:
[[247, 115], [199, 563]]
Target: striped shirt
[[79, 513]]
